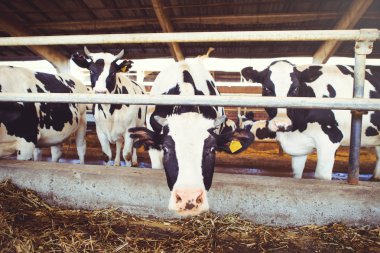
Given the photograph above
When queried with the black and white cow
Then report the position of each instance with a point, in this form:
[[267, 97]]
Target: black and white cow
[[183, 139], [113, 120], [25, 127], [259, 128], [300, 131]]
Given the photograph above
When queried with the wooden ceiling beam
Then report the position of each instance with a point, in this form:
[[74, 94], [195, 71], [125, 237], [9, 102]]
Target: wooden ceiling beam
[[59, 61], [278, 18], [167, 27], [349, 19]]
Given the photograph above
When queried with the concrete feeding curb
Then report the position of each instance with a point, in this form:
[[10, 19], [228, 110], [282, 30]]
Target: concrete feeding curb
[[263, 200]]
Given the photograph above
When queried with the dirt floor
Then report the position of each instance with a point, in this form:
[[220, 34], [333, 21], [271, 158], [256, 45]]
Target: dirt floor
[[28, 224]]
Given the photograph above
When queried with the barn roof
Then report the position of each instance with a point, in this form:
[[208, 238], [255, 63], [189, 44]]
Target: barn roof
[[57, 17]]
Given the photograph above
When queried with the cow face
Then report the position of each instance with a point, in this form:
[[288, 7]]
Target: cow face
[[103, 68], [280, 79], [189, 143]]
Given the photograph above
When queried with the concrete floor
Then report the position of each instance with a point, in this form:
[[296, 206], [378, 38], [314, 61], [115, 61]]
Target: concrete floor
[[264, 200]]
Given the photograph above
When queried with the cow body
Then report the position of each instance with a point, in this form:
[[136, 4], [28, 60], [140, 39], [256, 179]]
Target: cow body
[[183, 139], [300, 131], [113, 121], [27, 126]]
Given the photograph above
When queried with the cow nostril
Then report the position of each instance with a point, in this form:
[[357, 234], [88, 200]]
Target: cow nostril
[[199, 199], [178, 198]]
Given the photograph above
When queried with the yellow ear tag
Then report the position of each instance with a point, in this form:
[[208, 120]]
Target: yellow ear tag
[[235, 146], [124, 69]]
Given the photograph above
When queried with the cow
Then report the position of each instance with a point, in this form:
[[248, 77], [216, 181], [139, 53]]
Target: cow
[[300, 131], [259, 128], [183, 139], [26, 127], [113, 120]]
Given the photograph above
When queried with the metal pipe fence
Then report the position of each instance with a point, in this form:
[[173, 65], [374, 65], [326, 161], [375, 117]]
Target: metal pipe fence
[[363, 37], [235, 100]]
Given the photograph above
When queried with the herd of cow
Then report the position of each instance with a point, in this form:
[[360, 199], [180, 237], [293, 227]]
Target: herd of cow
[[183, 139]]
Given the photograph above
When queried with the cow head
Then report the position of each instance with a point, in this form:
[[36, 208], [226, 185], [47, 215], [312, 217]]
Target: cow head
[[281, 79], [103, 68], [189, 143]]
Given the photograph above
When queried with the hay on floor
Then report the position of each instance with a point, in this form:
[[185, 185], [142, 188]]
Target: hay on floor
[[28, 224]]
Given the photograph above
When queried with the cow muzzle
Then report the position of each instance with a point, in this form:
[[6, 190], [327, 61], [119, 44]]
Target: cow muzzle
[[188, 201]]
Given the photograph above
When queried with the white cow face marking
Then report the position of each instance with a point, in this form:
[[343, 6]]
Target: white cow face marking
[[186, 146], [189, 144]]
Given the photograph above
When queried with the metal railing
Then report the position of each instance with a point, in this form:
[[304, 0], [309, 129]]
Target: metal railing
[[364, 42]]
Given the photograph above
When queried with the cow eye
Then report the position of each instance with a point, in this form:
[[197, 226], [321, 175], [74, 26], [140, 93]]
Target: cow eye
[[212, 149], [165, 149]]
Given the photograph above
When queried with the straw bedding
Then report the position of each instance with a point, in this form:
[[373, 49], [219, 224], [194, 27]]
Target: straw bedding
[[28, 224]]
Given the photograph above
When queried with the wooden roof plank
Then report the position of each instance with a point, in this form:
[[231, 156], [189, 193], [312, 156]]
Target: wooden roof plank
[[58, 60], [348, 21], [167, 27]]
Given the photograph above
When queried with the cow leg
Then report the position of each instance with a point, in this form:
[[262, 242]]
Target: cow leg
[[80, 138], [56, 152], [119, 143], [129, 153], [37, 154], [376, 173], [106, 148], [326, 159], [298, 165], [156, 158]]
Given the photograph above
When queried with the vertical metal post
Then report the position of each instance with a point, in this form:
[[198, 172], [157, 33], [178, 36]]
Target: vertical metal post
[[362, 48]]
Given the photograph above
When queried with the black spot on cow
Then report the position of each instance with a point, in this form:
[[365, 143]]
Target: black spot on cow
[[96, 69], [311, 74], [124, 90], [20, 120], [326, 119], [345, 70], [373, 77], [54, 115], [29, 90], [100, 108], [211, 88], [371, 131], [208, 161], [249, 116], [114, 107], [119, 79], [331, 90], [187, 78], [19, 152], [170, 160], [0, 88], [52, 83], [263, 133], [139, 113]]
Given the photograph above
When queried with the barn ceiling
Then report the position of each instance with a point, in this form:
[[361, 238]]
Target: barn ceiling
[[66, 17]]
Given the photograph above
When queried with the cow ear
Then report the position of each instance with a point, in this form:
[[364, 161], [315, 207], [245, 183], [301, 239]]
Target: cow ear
[[142, 136], [124, 66], [236, 141], [251, 74], [310, 74], [81, 60]]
